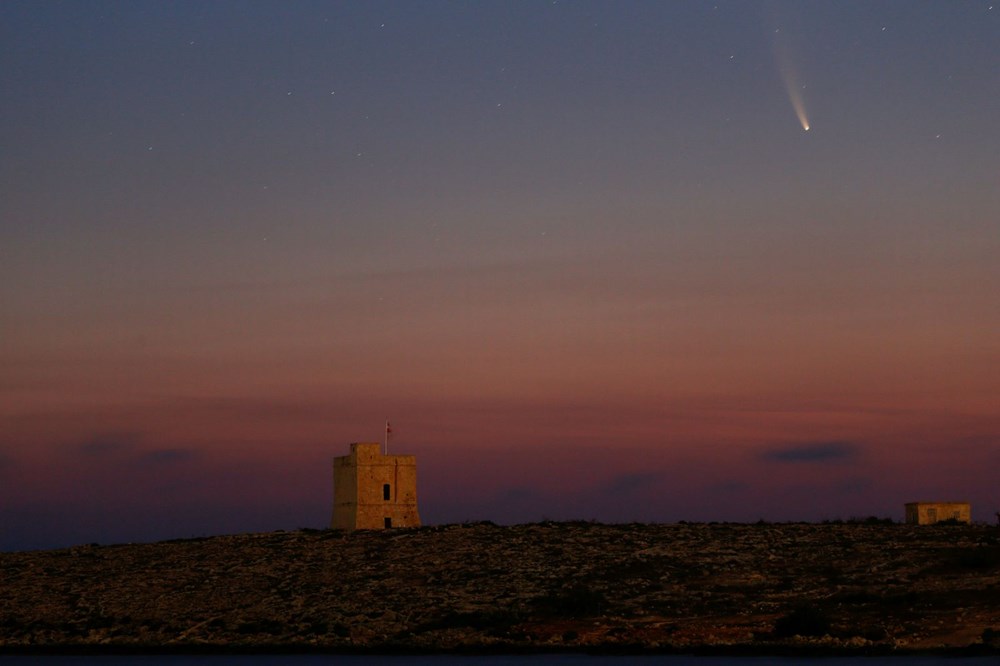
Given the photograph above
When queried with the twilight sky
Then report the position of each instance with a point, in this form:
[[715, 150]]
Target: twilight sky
[[584, 255]]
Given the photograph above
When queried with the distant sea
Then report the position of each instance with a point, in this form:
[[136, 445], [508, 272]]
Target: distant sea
[[500, 660]]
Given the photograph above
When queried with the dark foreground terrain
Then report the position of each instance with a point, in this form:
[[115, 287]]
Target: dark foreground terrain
[[750, 588]]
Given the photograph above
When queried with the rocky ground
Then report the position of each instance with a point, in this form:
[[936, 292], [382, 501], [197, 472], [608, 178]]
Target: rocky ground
[[753, 588]]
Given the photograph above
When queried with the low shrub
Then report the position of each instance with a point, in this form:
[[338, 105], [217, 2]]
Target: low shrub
[[804, 620], [980, 558], [870, 520], [576, 601]]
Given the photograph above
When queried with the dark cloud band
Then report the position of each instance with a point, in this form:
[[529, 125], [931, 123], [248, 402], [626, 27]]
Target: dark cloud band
[[808, 452]]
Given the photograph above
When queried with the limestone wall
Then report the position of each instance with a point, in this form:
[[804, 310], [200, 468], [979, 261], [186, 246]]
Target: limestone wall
[[373, 491], [928, 513]]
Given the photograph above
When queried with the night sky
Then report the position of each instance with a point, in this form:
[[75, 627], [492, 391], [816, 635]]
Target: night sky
[[585, 256]]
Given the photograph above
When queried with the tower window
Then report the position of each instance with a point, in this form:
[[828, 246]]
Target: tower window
[[386, 494], [388, 523]]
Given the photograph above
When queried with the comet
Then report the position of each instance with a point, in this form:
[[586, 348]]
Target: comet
[[790, 77], [789, 73], [798, 105]]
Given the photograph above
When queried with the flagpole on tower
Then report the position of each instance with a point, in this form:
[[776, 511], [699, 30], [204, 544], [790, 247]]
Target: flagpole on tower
[[388, 429]]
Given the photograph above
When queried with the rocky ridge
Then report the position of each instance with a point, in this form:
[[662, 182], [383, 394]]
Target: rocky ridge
[[740, 587]]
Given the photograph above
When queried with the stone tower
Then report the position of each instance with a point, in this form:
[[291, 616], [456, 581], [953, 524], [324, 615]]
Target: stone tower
[[928, 513], [372, 491]]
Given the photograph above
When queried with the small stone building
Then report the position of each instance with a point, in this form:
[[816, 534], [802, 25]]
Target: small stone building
[[372, 491], [928, 513]]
